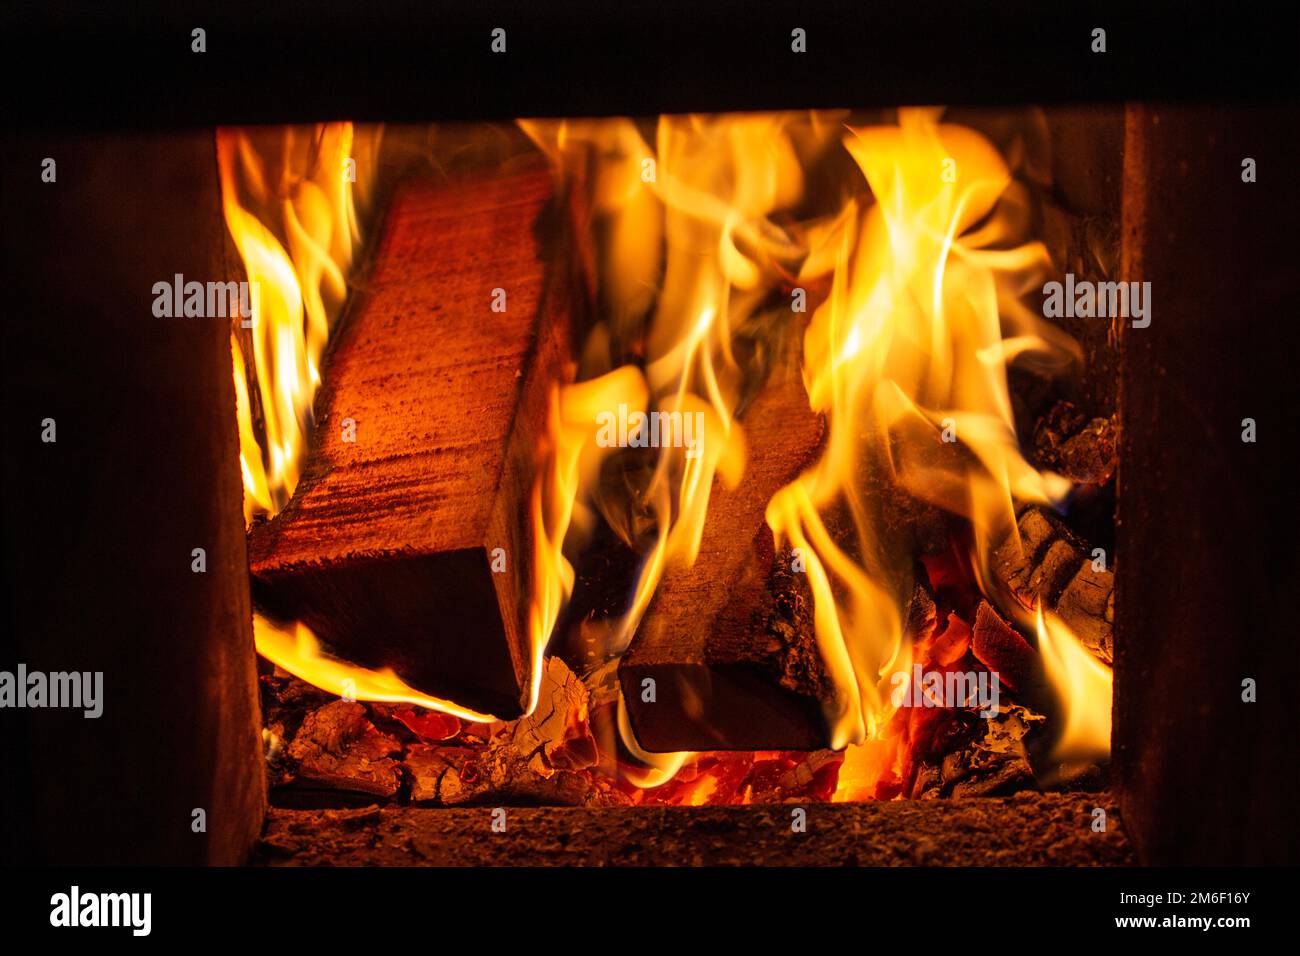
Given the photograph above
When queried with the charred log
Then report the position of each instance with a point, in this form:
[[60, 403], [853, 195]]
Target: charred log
[[1000, 648], [1046, 563], [1083, 449], [338, 748]]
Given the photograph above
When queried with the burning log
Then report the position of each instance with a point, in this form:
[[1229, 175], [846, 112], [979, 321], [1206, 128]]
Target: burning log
[[1000, 648], [730, 642], [1049, 564], [407, 543], [727, 643]]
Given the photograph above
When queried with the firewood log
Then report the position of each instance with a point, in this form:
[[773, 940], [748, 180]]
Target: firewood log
[[429, 431]]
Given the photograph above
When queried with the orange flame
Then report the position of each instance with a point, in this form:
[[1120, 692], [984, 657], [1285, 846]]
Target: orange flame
[[289, 203], [907, 358]]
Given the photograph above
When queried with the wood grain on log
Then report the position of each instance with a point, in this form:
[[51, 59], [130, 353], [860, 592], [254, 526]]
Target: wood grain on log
[[386, 548]]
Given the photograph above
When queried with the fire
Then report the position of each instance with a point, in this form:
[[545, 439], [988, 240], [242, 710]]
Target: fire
[[687, 219], [291, 211], [1084, 684], [296, 650], [908, 361], [574, 459], [907, 357], [290, 205], [690, 219], [918, 270]]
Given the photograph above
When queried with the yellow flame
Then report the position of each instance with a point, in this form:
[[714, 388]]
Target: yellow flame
[[658, 768], [907, 360], [689, 243], [906, 357], [718, 178], [1085, 686], [572, 463], [291, 212], [296, 650]]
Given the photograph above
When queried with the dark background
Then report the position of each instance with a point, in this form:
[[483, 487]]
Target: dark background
[[113, 65]]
